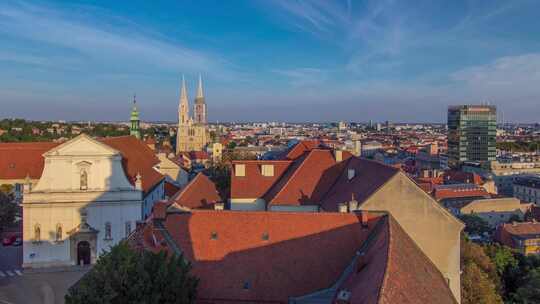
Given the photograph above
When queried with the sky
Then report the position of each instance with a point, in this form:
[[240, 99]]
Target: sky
[[265, 60]]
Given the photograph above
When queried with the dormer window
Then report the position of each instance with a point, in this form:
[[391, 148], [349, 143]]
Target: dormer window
[[267, 170], [240, 170], [213, 235]]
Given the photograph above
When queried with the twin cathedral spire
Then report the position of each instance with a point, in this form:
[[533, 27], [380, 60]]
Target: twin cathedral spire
[[199, 107]]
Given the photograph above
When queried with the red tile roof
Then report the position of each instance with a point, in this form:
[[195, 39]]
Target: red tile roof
[[254, 184], [170, 189], [507, 233], [312, 179], [198, 155], [462, 177], [137, 158], [395, 270], [200, 193], [301, 147], [369, 176], [441, 193], [307, 183], [270, 257], [17, 160]]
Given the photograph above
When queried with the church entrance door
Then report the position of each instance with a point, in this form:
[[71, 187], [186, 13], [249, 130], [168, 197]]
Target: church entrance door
[[83, 253]]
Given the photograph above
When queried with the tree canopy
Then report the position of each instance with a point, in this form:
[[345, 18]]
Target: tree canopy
[[124, 275], [8, 210]]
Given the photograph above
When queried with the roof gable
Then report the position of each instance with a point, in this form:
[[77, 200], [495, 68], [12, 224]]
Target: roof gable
[[369, 176], [200, 193], [82, 145], [308, 182]]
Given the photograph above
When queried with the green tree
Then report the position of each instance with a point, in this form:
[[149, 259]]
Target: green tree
[[529, 293], [502, 256], [124, 275], [220, 174], [8, 210], [6, 188], [474, 224], [476, 287]]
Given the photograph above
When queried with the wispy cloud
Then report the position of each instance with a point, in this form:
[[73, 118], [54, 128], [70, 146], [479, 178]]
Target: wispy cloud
[[301, 77], [515, 76], [96, 40]]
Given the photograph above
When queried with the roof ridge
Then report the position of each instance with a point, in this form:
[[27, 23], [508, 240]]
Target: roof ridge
[[292, 176], [176, 196]]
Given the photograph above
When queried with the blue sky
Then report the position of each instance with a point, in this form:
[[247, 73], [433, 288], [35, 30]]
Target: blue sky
[[270, 60]]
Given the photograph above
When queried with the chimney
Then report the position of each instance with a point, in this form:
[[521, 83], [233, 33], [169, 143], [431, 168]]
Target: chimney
[[138, 182], [353, 204], [350, 173], [364, 219], [219, 206], [338, 155], [343, 208]]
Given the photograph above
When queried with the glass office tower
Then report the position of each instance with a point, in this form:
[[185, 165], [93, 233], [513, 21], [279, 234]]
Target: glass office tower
[[472, 131]]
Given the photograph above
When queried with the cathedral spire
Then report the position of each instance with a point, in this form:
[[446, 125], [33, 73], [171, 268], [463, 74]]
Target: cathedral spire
[[199, 88], [183, 91], [183, 109]]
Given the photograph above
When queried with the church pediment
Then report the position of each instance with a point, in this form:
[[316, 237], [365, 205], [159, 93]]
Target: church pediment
[[82, 145]]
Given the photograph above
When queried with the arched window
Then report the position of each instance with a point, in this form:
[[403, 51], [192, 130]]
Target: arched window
[[108, 232], [37, 233], [58, 235], [84, 179]]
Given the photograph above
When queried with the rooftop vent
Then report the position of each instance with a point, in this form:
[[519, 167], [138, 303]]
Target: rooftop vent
[[213, 235], [265, 236], [344, 295], [350, 173]]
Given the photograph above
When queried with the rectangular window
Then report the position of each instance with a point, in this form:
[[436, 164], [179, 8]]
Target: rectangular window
[[240, 170], [267, 170], [128, 228]]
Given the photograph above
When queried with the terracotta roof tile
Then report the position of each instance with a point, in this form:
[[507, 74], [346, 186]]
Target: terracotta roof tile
[[17, 160], [254, 184], [301, 147], [303, 252], [200, 193], [394, 269], [369, 176], [269, 257], [137, 158]]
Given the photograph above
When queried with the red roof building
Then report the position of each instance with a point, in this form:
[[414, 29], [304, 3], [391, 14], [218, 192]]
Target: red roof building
[[18, 160], [200, 193], [283, 257]]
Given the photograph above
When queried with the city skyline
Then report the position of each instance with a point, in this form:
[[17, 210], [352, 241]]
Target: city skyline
[[269, 61]]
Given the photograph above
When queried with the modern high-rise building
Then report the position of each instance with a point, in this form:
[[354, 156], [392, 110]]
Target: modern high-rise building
[[472, 133]]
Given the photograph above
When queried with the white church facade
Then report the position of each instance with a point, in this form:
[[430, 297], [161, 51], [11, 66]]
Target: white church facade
[[90, 195]]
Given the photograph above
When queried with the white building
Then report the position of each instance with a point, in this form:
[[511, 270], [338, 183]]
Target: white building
[[527, 189], [89, 196]]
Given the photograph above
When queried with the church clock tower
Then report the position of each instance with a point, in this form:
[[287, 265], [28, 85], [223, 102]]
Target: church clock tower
[[134, 127]]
